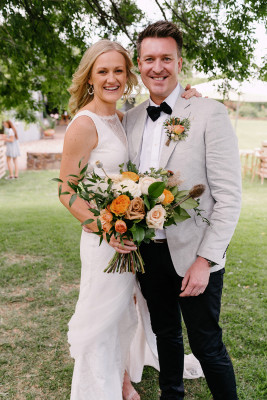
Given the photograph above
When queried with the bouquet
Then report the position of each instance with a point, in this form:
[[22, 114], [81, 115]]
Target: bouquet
[[131, 205]]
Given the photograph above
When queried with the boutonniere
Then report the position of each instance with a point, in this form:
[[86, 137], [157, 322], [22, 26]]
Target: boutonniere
[[176, 129]]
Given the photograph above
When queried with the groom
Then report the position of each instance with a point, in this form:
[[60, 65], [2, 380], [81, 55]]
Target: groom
[[185, 263]]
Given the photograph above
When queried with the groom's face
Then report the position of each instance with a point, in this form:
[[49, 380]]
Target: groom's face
[[159, 65]]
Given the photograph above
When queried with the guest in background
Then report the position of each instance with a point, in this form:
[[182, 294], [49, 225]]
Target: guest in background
[[12, 148]]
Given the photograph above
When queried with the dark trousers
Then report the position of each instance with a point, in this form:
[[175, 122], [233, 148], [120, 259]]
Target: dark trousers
[[161, 287]]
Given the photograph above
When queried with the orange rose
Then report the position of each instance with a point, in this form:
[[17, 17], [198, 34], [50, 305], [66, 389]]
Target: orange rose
[[120, 226], [130, 175], [106, 215], [178, 129], [120, 205], [169, 197]]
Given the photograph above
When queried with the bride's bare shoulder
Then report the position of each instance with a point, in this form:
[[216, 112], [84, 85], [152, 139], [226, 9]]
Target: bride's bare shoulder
[[120, 114]]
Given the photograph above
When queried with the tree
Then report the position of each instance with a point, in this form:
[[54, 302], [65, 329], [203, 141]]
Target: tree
[[42, 41]]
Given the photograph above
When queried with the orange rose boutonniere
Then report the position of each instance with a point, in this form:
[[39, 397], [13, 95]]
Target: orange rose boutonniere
[[176, 129]]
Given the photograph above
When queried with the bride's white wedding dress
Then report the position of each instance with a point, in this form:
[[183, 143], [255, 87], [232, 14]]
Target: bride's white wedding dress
[[108, 332]]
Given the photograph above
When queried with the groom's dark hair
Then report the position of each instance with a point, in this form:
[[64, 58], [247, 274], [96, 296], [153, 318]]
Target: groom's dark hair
[[161, 29]]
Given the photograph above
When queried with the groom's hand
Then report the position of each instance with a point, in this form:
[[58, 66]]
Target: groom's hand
[[196, 278], [127, 246]]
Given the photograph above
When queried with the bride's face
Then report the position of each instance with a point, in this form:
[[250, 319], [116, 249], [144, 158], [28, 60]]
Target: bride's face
[[109, 76]]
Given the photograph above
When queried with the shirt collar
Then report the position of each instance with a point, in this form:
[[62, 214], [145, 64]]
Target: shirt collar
[[171, 99]]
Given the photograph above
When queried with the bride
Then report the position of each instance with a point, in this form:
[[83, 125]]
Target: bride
[[105, 333]]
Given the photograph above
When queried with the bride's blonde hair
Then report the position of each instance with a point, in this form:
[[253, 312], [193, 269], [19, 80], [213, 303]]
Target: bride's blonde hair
[[79, 87]]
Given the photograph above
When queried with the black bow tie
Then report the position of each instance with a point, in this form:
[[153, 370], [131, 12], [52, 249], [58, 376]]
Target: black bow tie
[[154, 112]]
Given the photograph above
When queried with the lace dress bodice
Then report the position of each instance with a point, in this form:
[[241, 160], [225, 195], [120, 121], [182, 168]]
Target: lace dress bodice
[[111, 149]]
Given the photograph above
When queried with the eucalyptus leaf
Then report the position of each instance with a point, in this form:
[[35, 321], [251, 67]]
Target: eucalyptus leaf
[[88, 221], [95, 212], [72, 199], [57, 180]]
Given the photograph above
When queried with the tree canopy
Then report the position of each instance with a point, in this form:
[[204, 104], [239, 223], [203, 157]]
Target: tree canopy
[[42, 41]]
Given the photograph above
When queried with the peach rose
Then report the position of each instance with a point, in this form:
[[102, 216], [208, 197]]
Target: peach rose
[[168, 197], [105, 219], [136, 209], [120, 205], [155, 217], [120, 226], [106, 215], [130, 175], [178, 129]]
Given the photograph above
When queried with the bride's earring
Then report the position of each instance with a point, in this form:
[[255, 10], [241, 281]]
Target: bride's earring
[[90, 90]]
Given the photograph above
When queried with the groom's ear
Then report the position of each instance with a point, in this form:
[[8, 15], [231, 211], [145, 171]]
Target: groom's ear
[[180, 63]]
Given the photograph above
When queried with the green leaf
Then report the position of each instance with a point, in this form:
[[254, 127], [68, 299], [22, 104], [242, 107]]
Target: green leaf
[[146, 201], [57, 180], [138, 233], [72, 199], [72, 185], [74, 176], [156, 189], [174, 190], [80, 162], [59, 190], [181, 194], [149, 233], [63, 193], [179, 217], [189, 204], [99, 225], [95, 212], [88, 221], [132, 167]]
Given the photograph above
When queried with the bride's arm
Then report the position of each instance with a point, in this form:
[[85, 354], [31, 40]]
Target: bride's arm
[[80, 139]]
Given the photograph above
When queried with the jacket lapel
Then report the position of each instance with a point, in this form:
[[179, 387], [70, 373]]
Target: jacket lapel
[[182, 110], [137, 134]]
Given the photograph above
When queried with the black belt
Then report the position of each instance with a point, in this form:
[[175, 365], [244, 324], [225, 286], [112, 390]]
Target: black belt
[[160, 240]]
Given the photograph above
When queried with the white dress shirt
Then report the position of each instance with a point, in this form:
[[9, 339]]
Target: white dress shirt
[[154, 138]]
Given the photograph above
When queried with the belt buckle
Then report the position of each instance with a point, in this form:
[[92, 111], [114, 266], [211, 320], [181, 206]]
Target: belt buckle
[[160, 241]]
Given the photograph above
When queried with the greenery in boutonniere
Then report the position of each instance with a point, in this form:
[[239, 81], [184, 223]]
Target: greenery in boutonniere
[[176, 129]]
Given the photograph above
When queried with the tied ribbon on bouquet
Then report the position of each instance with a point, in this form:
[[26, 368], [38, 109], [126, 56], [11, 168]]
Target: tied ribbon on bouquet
[[132, 206]]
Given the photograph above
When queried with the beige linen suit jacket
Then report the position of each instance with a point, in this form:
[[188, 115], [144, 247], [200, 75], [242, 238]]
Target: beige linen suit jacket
[[209, 155]]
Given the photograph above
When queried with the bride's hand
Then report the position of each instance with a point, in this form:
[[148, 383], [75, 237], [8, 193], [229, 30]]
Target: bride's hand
[[124, 249], [190, 92]]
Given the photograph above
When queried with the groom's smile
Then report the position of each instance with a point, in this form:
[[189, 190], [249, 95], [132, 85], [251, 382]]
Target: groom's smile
[[159, 65]]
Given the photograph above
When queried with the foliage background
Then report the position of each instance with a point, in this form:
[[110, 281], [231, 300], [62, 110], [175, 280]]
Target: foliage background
[[41, 42]]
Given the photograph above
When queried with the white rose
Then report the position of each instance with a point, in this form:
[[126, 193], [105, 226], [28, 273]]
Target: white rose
[[127, 186], [145, 182], [155, 217]]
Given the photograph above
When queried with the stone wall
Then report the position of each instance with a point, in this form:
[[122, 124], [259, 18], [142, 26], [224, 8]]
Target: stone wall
[[39, 161]]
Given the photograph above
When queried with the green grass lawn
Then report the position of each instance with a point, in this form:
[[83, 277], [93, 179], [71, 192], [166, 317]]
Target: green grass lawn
[[40, 270], [251, 133]]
